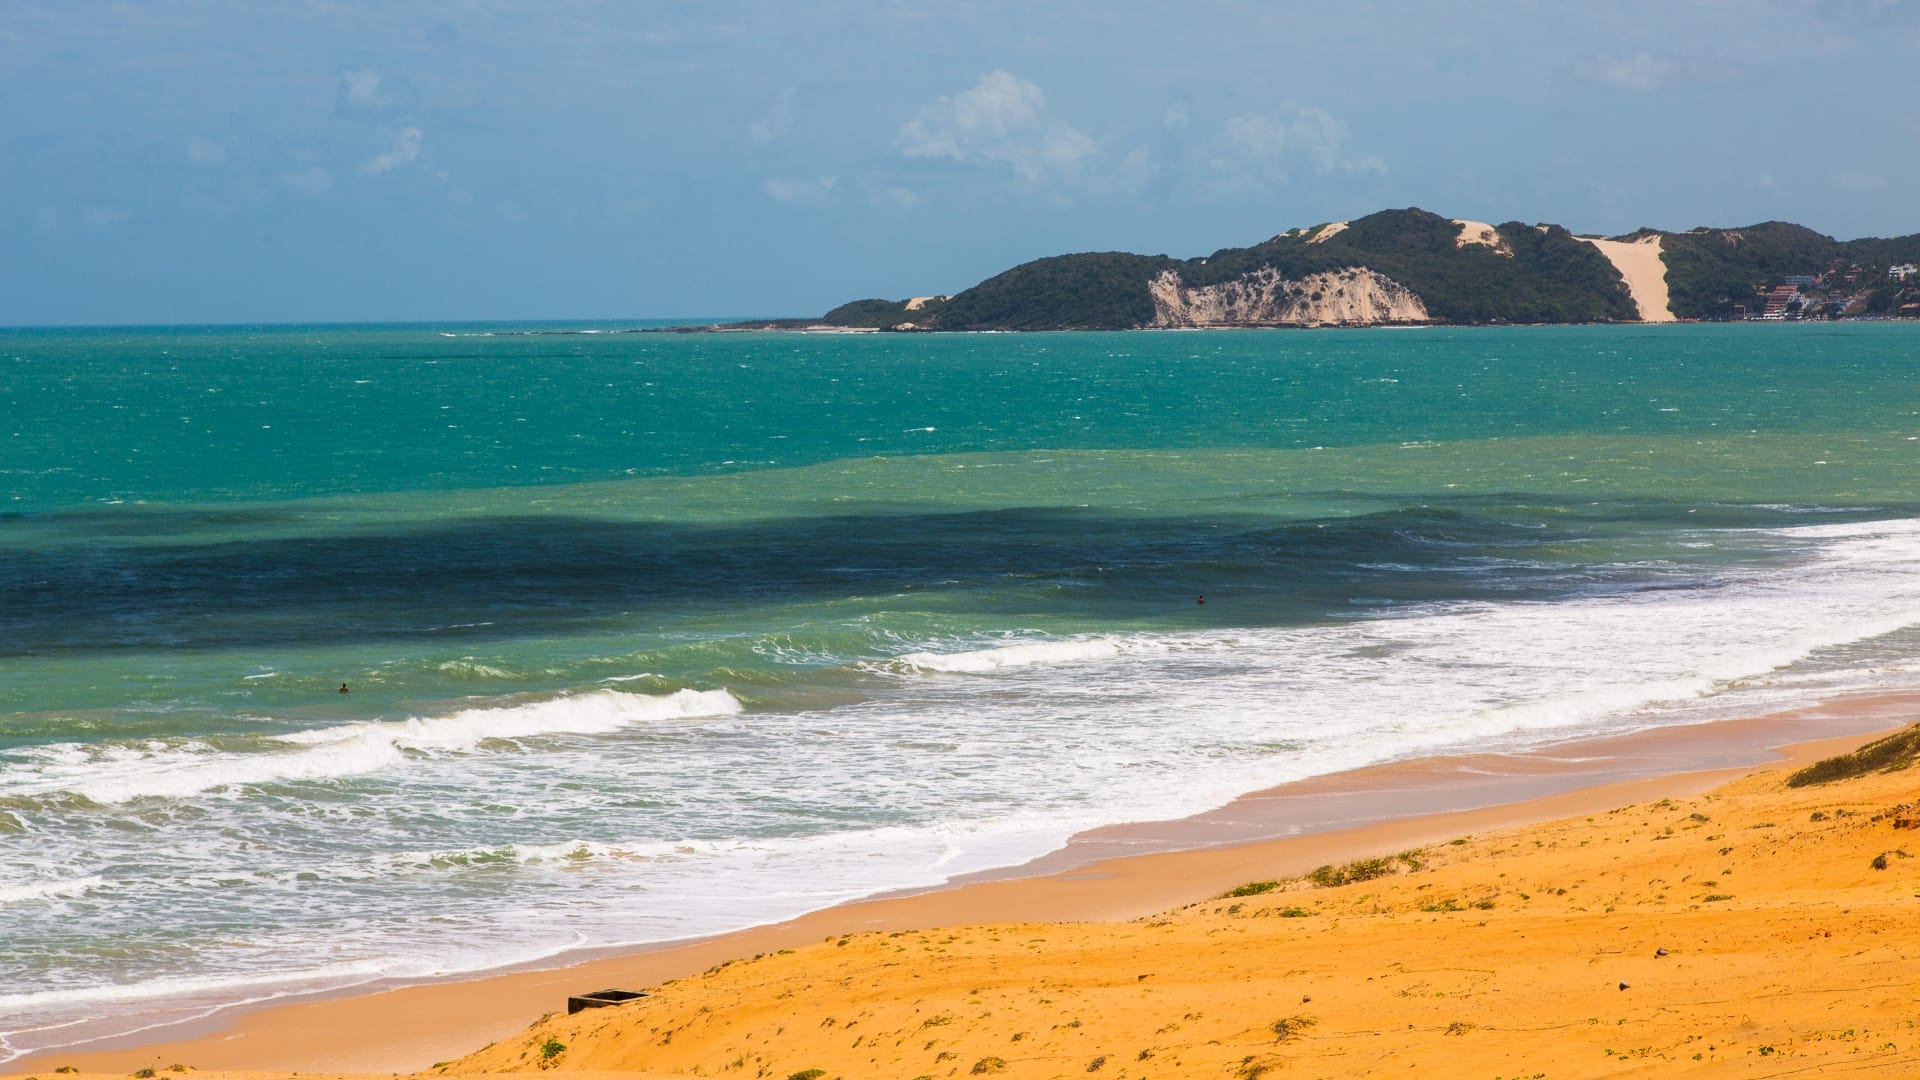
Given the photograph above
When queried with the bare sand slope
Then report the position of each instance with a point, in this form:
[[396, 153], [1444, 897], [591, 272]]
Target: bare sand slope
[[1639, 262], [1755, 930], [1479, 232], [1327, 232]]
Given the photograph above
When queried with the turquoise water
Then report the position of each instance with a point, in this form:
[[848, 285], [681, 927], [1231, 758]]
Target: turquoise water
[[652, 635]]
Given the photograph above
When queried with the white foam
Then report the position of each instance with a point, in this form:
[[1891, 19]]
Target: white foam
[[115, 774], [470, 666], [45, 890], [1022, 654], [591, 713]]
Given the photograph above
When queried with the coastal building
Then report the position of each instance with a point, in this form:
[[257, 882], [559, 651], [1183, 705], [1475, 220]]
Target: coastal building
[[1781, 302], [1903, 271]]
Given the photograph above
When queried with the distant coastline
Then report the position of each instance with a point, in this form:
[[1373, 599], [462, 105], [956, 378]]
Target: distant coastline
[[1413, 268]]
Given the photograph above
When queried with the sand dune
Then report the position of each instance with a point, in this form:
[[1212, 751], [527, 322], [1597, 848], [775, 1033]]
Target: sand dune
[[1639, 262], [1327, 232], [1479, 232]]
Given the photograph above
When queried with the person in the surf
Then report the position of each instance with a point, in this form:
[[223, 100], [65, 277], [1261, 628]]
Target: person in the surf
[[343, 688]]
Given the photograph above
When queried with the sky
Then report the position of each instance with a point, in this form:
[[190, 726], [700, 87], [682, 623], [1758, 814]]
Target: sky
[[333, 161]]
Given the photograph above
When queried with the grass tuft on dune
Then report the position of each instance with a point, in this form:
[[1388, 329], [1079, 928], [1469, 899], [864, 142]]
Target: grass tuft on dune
[[1891, 754]]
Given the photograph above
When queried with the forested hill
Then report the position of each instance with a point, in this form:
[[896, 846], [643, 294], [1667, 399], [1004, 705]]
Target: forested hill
[[1396, 266]]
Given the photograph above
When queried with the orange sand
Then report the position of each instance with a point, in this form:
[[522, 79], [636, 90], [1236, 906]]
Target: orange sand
[[1501, 955]]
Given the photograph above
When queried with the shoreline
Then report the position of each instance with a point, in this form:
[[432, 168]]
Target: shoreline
[[1109, 874]]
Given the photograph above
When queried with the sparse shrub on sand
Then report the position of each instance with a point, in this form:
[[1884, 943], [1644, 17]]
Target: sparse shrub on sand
[[808, 1074], [551, 1049], [989, 1065], [1253, 1068], [1328, 877], [1891, 754], [1252, 888], [1291, 1026]]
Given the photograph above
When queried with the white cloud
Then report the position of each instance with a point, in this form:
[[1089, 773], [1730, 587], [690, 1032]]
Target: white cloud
[[1256, 135], [104, 217], [800, 192], [892, 195], [1862, 182], [778, 120], [1137, 169], [1002, 120], [1175, 117], [311, 181], [1647, 71], [206, 152], [1641, 71], [1309, 132], [406, 147], [361, 88]]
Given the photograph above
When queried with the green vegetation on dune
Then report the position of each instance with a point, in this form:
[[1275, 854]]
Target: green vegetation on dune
[[1099, 291], [1537, 274], [1710, 270], [1532, 274], [871, 313]]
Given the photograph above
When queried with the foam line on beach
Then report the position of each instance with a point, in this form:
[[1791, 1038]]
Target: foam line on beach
[[1018, 655], [116, 774]]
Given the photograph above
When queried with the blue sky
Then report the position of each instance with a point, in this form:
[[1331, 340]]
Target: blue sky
[[332, 160]]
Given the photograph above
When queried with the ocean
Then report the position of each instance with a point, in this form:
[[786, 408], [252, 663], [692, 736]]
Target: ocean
[[656, 635]]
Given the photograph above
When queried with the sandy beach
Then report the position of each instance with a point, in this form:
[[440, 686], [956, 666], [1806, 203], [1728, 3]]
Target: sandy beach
[[1531, 885]]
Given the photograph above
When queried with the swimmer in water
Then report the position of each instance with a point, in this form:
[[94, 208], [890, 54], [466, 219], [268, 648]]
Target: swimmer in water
[[343, 688]]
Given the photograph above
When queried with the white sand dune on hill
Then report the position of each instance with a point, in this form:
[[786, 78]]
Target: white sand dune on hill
[[1327, 232], [1477, 232], [1639, 262]]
